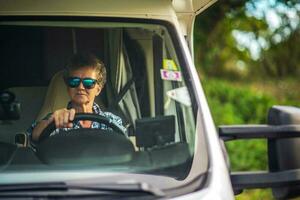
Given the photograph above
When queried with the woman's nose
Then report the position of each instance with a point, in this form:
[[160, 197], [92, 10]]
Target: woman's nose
[[81, 86]]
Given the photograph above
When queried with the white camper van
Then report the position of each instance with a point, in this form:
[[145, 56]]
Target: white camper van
[[166, 146]]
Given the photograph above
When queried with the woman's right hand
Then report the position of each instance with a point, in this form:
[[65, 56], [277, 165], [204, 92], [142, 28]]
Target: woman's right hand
[[63, 118]]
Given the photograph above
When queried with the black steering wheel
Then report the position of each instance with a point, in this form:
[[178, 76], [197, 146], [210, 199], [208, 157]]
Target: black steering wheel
[[85, 116]]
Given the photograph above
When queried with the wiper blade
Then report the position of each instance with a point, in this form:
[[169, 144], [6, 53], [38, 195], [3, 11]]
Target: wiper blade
[[33, 186], [107, 188]]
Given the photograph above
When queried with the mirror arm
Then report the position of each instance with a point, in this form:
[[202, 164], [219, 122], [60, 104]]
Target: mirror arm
[[256, 179], [234, 132], [264, 179]]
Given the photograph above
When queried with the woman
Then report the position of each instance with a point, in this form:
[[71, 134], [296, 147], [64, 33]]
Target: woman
[[85, 77]]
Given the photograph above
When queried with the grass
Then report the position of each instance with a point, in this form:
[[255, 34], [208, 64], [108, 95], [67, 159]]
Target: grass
[[258, 194]]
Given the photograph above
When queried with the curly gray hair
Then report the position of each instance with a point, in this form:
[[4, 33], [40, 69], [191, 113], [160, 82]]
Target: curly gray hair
[[79, 61]]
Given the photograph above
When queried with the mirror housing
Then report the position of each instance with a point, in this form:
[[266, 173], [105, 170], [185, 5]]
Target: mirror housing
[[284, 153]]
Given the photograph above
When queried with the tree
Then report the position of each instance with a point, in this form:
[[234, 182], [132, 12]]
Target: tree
[[218, 53]]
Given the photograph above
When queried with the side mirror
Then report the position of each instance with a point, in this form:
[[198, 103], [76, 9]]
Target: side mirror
[[283, 153], [283, 135]]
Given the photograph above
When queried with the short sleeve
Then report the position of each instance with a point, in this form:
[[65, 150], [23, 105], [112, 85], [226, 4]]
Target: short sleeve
[[32, 126], [116, 120]]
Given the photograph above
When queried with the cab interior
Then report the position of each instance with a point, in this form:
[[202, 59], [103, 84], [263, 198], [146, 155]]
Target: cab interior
[[33, 58]]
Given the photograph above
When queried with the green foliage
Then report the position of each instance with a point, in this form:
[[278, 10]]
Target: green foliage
[[282, 59], [248, 103], [219, 53], [236, 104], [255, 195], [239, 105], [247, 155]]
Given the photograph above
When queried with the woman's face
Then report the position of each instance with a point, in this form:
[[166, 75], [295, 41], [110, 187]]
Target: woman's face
[[80, 95]]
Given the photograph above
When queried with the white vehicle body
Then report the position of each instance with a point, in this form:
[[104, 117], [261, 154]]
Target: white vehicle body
[[180, 14]]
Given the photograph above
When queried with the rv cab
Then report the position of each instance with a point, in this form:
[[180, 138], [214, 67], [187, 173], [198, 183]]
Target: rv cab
[[168, 146]]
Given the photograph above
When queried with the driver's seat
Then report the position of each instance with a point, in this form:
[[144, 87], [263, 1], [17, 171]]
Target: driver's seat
[[57, 96]]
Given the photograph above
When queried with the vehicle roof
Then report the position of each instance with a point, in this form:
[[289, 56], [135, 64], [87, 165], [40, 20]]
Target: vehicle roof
[[133, 8], [181, 13], [130, 8]]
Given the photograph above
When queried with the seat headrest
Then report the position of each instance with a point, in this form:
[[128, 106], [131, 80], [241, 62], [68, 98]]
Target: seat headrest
[[57, 96]]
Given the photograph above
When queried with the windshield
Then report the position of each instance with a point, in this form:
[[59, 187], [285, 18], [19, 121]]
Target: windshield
[[146, 104]]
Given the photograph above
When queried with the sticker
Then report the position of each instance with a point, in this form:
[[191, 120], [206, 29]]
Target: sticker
[[170, 75], [169, 65], [181, 95]]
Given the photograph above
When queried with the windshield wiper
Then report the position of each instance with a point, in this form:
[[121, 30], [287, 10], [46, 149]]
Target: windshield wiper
[[61, 188]]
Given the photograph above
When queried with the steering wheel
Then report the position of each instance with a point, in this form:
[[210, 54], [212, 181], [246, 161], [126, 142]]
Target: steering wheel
[[84, 116]]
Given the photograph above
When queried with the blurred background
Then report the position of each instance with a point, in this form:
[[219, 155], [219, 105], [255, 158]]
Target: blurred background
[[247, 54]]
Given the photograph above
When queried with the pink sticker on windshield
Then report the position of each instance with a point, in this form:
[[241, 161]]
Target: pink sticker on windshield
[[170, 75]]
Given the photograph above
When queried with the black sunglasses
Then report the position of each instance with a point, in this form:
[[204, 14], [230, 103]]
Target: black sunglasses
[[74, 82]]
